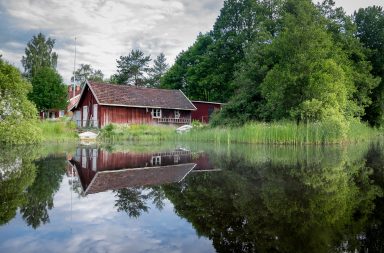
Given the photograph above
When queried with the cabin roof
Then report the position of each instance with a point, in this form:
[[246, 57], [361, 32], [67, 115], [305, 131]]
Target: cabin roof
[[129, 96], [72, 102], [117, 179], [206, 102]]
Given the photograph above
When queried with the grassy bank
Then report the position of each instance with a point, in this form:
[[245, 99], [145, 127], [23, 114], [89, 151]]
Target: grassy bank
[[284, 133], [255, 132], [58, 131], [113, 133]]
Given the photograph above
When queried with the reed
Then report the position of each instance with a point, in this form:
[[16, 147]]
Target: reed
[[115, 132], [283, 133], [58, 131]]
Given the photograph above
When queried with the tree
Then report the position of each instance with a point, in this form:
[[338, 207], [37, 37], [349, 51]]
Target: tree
[[370, 31], [132, 69], [49, 91], [39, 54], [17, 113], [158, 70], [312, 69], [186, 71], [206, 70], [86, 72]]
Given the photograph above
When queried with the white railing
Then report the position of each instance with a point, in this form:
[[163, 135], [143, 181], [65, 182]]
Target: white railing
[[174, 120], [86, 123]]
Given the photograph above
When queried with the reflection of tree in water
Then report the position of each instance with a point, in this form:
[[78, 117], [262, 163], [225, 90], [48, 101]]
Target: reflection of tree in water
[[17, 173], [157, 195], [49, 173], [276, 207], [133, 201], [372, 238]]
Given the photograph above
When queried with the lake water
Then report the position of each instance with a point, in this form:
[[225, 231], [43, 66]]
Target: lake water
[[179, 197]]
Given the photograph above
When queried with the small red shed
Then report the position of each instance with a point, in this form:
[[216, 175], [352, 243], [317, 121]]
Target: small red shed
[[100, 104], [204, 110]]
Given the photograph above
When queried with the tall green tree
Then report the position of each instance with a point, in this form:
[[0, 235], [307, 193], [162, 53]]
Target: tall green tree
[[158, 70], [343, 31], [17, 114], [370, 31], [39, 54], [133, 68], [49, 91], [86, 72], [309, 79], [313, 68], [206, 70], [184, 73]]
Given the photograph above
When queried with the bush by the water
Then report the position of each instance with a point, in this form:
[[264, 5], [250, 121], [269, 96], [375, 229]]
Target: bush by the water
[[18, 116], [20, 132]]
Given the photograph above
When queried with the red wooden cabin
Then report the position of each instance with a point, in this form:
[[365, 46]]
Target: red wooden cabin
[[204, 110], [100, 104]]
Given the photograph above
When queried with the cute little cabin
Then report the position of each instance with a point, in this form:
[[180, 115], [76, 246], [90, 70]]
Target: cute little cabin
[[100, 104]]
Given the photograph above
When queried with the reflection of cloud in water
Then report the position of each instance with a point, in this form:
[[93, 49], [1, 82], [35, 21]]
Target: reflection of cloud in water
[[94, 225]]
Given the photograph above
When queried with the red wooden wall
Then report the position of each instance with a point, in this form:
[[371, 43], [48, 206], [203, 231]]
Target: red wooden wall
[[204, 109]]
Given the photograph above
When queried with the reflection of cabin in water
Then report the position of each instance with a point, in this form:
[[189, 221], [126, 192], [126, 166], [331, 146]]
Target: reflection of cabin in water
[[99, 170]]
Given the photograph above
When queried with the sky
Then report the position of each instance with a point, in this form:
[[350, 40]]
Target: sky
[[107, 29]]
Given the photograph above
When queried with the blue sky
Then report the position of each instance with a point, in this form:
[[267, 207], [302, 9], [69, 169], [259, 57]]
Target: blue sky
[[106, 29]]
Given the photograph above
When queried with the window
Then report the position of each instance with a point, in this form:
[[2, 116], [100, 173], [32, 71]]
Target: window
[[156, 113], [61, 113], [177, 114], [156, 160], [176, 159]]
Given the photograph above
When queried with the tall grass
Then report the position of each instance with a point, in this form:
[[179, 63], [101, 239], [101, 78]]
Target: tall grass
[[58, 131], [253, 133], [283, 133], [115, 132]]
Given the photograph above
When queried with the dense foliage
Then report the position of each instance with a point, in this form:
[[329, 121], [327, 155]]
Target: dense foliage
[[18, 122], [287, 60], [49, 91], [370, 31]]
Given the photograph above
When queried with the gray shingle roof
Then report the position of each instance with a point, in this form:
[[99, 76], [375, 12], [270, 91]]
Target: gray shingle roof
[[124, 95]]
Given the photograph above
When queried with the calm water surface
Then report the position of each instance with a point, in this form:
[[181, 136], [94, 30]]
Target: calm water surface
[[192, 198]]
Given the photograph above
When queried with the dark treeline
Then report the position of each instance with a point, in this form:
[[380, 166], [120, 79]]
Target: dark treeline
[[287, 60]]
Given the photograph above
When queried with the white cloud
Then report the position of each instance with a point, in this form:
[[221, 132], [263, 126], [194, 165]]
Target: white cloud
[[351, 5], [107, 29]]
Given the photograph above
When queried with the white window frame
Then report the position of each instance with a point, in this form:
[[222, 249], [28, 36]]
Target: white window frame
[[156, 160], [156, 113], [177, 114], [61, 113]]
